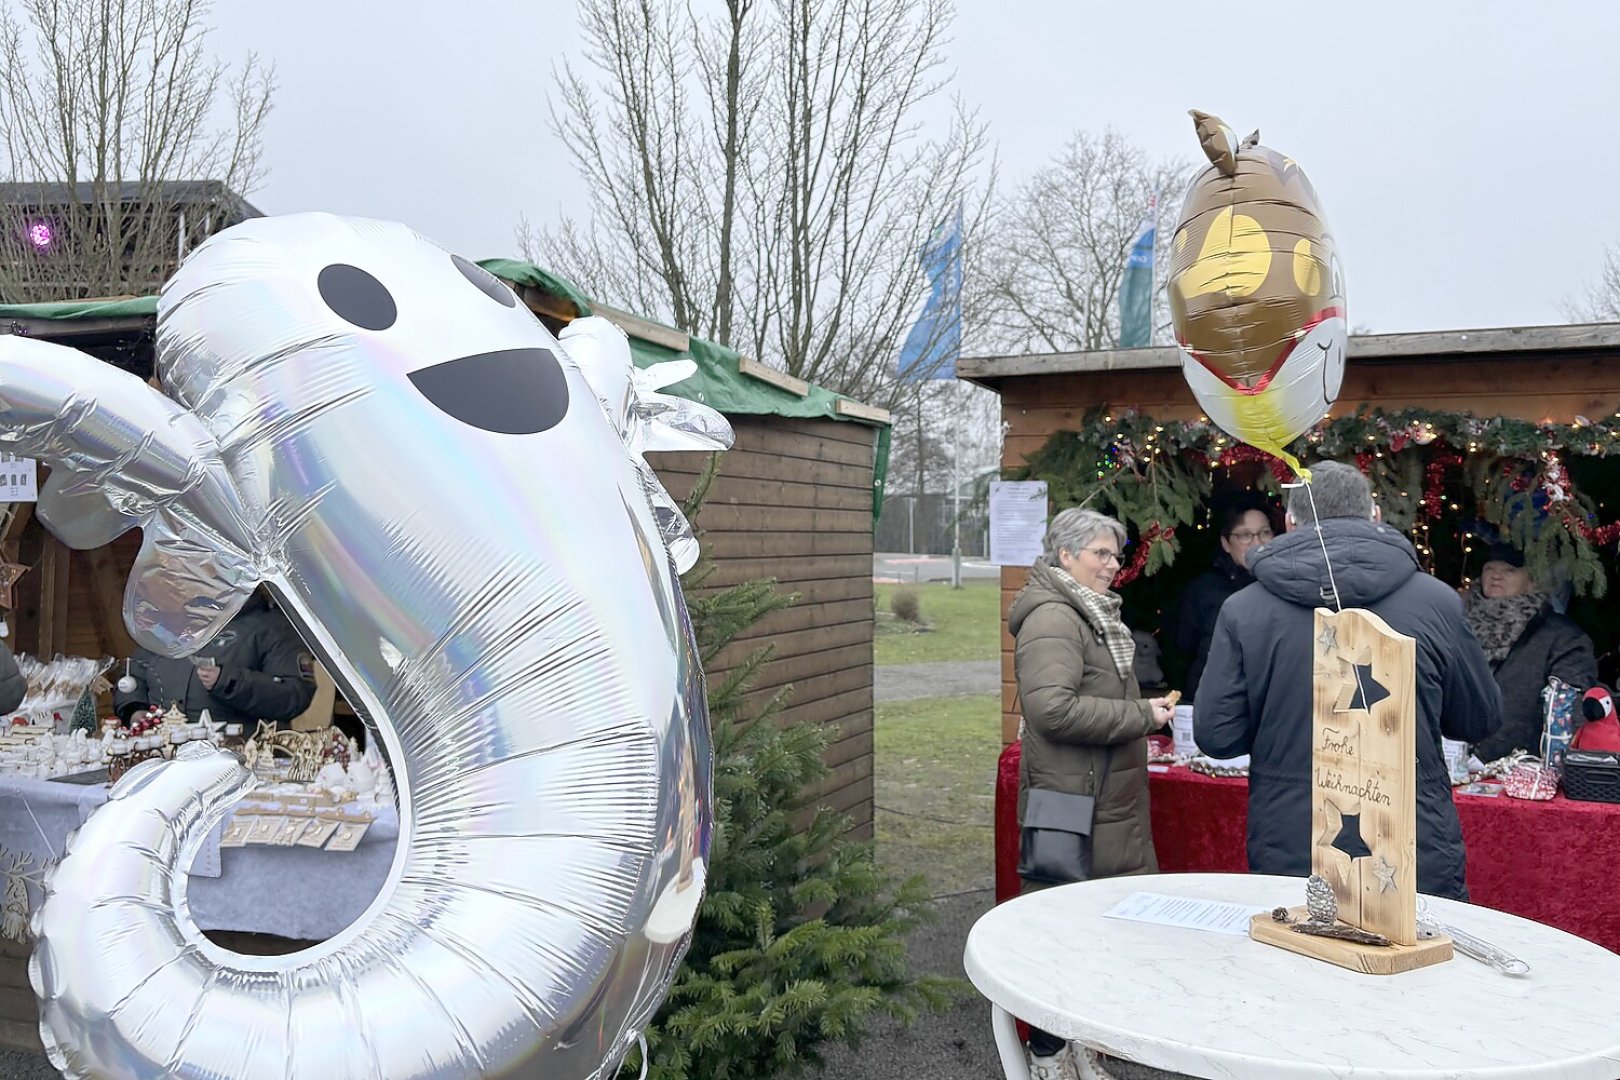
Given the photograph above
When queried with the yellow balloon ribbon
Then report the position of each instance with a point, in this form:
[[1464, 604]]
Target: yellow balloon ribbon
[[1259, 422]]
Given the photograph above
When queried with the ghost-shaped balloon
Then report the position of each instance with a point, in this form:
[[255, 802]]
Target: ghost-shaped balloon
[[1256, 293]]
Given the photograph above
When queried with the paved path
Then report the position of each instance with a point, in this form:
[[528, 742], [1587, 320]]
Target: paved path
[[957, 678]]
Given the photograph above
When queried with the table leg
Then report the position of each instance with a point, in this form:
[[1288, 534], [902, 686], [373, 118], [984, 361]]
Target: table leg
[[1011, 1048]]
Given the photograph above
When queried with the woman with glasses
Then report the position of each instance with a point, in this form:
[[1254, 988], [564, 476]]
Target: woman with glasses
[[1243, 529], [1083, 780]]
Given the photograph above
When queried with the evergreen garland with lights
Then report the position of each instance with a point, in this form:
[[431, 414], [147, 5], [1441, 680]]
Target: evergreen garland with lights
[[1433, 473]]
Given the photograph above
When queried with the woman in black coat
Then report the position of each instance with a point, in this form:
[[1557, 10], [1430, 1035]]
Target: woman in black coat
[[1244, 528], [1527, 643]]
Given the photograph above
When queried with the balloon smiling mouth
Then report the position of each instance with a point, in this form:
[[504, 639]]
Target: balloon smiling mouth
[[507, 392]]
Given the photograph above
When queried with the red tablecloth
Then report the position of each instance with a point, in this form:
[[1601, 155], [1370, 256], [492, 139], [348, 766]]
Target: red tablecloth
[[1556, 862]]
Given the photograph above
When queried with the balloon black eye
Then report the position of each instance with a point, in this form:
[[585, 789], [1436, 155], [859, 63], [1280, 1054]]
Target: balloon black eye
[[357, 297], [487, 283]]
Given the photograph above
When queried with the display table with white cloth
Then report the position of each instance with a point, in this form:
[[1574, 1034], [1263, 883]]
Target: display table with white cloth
[[1221, 1006], [308, 894]]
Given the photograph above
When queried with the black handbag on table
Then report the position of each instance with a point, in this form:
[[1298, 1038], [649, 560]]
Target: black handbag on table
[[1054, 843]]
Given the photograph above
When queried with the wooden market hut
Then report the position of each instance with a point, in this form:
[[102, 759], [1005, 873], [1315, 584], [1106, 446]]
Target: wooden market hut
[[1561, 382], [794, 500]]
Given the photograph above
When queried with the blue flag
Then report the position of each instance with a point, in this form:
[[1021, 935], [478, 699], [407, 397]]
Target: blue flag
[[1136, 290], [934, 343]]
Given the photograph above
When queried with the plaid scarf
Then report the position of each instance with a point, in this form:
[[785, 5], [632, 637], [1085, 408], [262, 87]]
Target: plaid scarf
[[1101, 610]]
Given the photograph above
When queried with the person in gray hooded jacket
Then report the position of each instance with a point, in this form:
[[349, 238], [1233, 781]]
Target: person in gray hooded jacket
[[1255, 697]]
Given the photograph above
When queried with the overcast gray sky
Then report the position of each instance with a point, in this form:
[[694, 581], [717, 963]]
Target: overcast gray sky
[[1464, 151]]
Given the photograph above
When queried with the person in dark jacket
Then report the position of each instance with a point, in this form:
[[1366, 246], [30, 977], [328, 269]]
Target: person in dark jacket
[[1527, 643], [13, 687], [254, 669], [1257, 688], [1243, 529]]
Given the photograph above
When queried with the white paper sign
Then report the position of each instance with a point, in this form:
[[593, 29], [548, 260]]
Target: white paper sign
[[17, 479], [1017, 521], [1215, 916]]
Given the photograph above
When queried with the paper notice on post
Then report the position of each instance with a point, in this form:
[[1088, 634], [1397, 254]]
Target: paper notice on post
[[1017, 521], [1214, 915], [18, 480]]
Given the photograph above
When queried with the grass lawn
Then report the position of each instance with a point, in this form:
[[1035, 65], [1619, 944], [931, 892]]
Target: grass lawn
[[935, 769], [957, 624]]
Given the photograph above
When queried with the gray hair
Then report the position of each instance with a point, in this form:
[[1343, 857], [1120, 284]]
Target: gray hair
[[1337, 491], [1074, 528]]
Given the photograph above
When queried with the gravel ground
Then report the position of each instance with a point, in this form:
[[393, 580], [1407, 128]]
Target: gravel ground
[[956, 678]]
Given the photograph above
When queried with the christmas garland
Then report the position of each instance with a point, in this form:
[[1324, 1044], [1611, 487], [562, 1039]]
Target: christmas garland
[[1455, 473]]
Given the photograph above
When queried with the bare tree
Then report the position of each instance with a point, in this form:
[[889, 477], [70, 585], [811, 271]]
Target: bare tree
[[1602, 300], [115, 151], [1054, 274], [759, 175]]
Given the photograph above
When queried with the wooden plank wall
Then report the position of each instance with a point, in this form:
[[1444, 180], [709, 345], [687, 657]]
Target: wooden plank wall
[[1541, 387], [793, 501]]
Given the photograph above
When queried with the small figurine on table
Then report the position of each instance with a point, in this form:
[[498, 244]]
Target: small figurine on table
[[1602, 728]]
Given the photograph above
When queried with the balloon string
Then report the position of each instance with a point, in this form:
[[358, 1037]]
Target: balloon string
[[1338, 604], [641, 1041], [1320, 539]]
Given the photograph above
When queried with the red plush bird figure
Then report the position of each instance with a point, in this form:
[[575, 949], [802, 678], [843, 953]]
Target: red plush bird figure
[[1602, 728]]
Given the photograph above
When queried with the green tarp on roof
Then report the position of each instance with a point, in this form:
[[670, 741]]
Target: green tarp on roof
[[82, 309], [529, 274], [719, 382]]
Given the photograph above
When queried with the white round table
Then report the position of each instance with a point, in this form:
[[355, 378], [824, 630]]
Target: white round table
[[1222, 1006]]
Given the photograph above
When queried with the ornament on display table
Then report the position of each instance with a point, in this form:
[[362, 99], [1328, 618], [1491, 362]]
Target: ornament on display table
[[1256, 293], [512, 617], [9, 574], [1361, 898]]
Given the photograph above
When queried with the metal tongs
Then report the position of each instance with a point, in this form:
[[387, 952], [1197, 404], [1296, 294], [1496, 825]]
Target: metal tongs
[[1469, 945]]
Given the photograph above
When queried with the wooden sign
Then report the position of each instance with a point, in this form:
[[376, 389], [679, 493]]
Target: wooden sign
[[1364, 772], [1364, 795]]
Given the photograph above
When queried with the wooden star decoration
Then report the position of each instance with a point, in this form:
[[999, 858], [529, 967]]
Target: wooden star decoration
[[9, 573], [1328, 638], [1385, 873]]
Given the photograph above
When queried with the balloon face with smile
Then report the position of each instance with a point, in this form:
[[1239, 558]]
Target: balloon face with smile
[[1256, 293], [490, 364], [517, 391]]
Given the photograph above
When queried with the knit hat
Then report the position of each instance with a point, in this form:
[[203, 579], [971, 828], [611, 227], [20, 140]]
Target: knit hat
[[1504, 553]]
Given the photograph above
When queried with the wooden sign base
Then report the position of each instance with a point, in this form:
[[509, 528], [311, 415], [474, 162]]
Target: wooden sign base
[[1368, 959]]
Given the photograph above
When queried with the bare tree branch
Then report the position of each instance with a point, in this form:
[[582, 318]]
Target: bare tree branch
[[1602, 300], [116, 159], [761, 176], [1064, 238]]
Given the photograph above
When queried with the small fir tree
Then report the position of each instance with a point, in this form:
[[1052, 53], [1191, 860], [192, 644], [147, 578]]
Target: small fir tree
[[801, 938]]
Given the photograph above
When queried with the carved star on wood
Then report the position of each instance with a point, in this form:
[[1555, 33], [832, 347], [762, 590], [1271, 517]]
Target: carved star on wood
[[1385, 873], [1359, 691], [1328, 638], [9, 573], [1343, 833]]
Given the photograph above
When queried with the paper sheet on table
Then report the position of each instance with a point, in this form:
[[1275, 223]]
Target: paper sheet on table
[[1214, 915]]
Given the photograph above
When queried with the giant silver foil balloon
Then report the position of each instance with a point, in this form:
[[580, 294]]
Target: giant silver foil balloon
[[437, 494]]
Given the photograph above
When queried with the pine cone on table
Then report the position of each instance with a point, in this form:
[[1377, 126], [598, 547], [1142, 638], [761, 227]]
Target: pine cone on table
[[1320, 901]]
